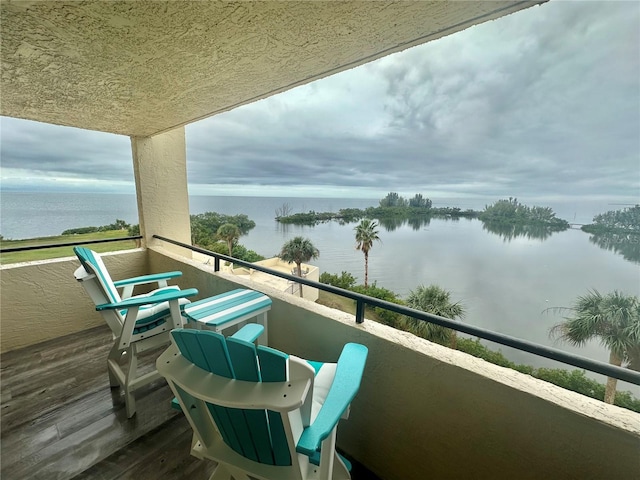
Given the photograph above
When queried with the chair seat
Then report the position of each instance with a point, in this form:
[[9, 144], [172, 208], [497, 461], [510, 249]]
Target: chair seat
[[153, 315]]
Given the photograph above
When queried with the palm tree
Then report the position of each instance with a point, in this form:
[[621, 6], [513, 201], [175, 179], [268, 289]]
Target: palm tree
[[435, 300], [299, 250], [230, 233], [366, 234], [614, 319]]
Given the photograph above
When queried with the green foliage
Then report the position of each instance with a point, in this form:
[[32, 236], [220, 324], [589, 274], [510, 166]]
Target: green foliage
[[619, 221], [418, 202], [387, 316], [577, 381], [298, 250], [228, 233], [310, 218], [437, 301], [393, 211], [477, 349], [81, 230], [118, 225], [133, 230], [242, 253], [366, 234], [614, 319], [239, 251], [393, 200], [344, 280], [204, 227], [513, 212], [350, 214]]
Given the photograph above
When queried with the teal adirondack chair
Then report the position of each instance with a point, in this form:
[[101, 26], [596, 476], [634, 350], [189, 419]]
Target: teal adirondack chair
[[260, 413], [138, 323]]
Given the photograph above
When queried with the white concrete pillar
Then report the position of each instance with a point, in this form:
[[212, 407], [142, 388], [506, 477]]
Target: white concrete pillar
[[160, 170]]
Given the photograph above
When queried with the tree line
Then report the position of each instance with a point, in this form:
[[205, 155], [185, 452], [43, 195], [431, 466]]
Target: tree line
[[626, 220]]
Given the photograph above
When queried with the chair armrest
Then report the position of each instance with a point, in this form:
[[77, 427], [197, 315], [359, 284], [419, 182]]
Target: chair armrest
[[249, 333], [147, 278], [148, 300], [343, 389]]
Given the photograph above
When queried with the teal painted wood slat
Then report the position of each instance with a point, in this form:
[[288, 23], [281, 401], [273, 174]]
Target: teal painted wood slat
[[252, 426], [187, 341], [244, 359], [249, 333], [193, 344], [220, 303], [224, 308], [344, 387], [273, 364], [226, 427], [220, 296], [93, 264], [273, 368], [279, 443], [216, 354]]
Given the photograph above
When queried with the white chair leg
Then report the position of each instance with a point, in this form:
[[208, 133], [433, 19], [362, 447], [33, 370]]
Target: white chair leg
[[114, 356], [130, 375]]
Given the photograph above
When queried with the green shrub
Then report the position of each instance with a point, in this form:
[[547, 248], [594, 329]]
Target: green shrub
[[344, 280]]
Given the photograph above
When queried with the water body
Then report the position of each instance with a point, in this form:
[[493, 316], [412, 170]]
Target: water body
[[505, 281]]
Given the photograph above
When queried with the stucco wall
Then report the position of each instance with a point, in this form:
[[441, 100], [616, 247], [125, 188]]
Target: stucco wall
[[42, 300], [425, 411]]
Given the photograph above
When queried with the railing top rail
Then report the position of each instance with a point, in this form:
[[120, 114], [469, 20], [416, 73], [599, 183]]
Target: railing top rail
[[68, 244], [603, 368]]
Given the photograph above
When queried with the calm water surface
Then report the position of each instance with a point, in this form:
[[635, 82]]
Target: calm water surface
[[505, 285]]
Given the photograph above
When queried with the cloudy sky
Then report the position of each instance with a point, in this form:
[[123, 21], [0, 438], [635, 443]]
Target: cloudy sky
[[541, 104]]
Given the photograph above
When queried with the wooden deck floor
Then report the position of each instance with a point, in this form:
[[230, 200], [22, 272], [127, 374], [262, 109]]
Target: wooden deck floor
[[60, 420]]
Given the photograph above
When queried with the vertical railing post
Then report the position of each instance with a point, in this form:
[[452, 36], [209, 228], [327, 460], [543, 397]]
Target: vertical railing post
[[359, 311], [216, 264]]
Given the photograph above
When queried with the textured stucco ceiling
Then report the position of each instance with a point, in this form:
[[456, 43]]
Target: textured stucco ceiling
[[143, 67]]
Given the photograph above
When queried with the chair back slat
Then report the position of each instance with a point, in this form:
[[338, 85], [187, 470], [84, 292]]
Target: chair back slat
[[256, 434], [224, 421], [273, 364], [244, 360], [256, 425], [93, 264], [273, 368], [209, 352], [190, 347]]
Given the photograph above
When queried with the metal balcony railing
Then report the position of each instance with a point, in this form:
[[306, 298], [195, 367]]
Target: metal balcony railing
[[613, 371], [68, 244]]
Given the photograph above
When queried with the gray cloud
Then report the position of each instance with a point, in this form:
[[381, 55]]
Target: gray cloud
[[545, 102]]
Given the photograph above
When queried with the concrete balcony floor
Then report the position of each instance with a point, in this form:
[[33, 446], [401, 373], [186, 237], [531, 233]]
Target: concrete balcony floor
[[60, 420]]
